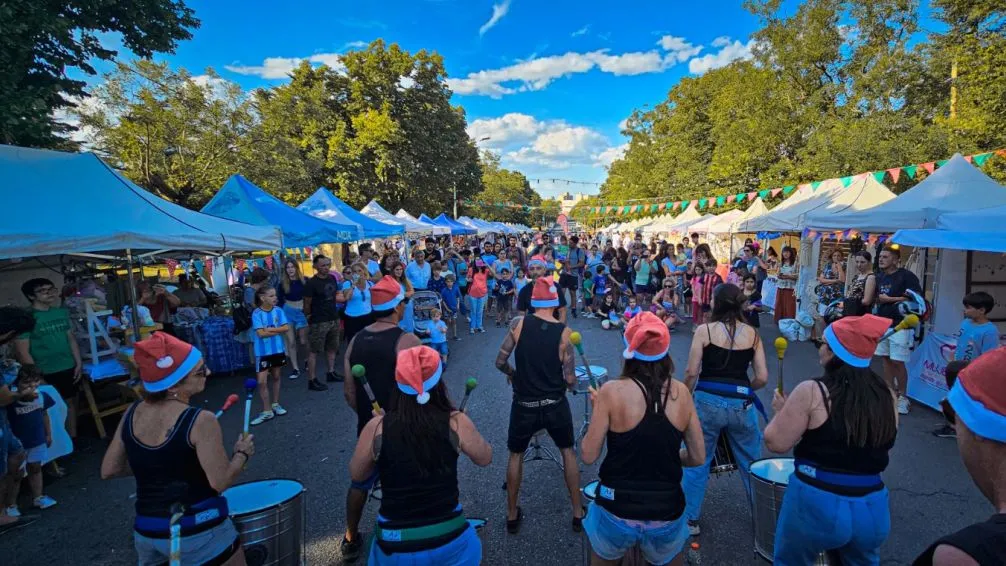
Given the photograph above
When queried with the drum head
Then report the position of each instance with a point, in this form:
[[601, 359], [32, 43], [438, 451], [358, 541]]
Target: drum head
[[590, 490], [598, 371], [773, 470], [260, 495]]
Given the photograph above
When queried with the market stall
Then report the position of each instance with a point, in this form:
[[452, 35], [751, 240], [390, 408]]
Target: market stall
[[457, 228], [326, 206], [436, 228], [376, 212]]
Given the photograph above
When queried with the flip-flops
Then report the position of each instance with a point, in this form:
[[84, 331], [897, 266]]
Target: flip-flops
[[512, 526]]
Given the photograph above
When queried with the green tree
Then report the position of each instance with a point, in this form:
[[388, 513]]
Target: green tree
[[42, 42], [547, 212], [503, 187]]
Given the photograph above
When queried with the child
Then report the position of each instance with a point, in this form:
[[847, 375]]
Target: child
[[520, 281], [977, 334], [953, 368], [609, 312], [436, 283], [438, 335], [588, 297], [709, 282], [452, 302], [753, 305], [29, 422], [663, 304], [269, 325], [698, 274], [504, 297], [631, 310]]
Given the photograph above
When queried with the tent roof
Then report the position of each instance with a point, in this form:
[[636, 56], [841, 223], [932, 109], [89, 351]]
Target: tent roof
[[470, 222], [725, 225], [239, 199], [325, 205], [377, 212], [437, 228], [90, 208], [676, 223], [956, 187], [979, 230], [457, 228], [829, 200], [726, 217]]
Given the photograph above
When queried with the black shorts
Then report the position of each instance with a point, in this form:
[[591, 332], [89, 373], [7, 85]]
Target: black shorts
[[556, 419], [265, 363], [63, 382]]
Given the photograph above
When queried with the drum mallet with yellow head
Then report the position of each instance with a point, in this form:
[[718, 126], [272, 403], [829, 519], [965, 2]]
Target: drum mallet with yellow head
[[360, 373], [577, 341], [780, 350], [910, 321]]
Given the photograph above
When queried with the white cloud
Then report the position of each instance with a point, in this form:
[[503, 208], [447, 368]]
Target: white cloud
[[610, 155], [581, 31], [499, 10], [729, 52], [525, 141], [679, 49], [509, 128], [281, 67], [637, 63], [216, 86], [623, 124], [358, 44]]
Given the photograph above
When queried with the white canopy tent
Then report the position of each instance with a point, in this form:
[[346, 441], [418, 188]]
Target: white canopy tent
[[679, 222], [864, 193], [703, 226], [437, 229], [726, 225], [377, 212]]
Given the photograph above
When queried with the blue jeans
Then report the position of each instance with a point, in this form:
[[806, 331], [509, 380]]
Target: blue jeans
[[740, 424], [813, 520], [478, 309], [466, 550], [196, 549], [611, 536]]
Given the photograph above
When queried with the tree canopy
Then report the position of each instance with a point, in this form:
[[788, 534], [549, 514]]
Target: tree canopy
[[504, 192]]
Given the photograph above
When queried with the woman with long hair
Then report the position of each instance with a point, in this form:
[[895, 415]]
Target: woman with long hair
[[862, 291], [358, 313], [414, 447], [291, 300], [841, 428], [702, 254], [408, 322], [478, 294], [785, 295], [644, 416], [722, 352], [176, 453]]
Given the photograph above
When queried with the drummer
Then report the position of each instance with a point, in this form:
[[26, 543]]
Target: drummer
[[414, 447], [644, 415], [842, 425], [722, 352], [176, 453]]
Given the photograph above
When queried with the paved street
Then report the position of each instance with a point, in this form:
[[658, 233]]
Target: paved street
[[931, 493]]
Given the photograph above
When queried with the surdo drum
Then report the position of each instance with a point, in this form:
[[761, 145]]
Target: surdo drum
[[271, 518], [769, 479]]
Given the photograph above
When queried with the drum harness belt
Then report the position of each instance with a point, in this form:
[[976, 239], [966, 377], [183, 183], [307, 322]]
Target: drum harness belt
[[842, 479], [198, 518], [736, 391], [425, 532], [539, 403]]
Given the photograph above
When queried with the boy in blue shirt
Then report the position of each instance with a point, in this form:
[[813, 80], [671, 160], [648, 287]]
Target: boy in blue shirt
[[977, 334], [269, 325], [438, 335], [504, 297], [29, 422], [452, 301]]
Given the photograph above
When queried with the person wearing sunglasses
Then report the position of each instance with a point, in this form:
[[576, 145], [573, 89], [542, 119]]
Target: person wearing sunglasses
[[976, 406], [841, 428]]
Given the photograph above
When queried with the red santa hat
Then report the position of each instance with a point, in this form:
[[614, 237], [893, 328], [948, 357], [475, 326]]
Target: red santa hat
[[544, 294], [164, 360], [646, 338], [979, 395], [538, 260], [418, 371], [854, 338], [386, 294]]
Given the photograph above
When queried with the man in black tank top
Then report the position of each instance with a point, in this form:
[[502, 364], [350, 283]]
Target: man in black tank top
[[376, 348], [544, 370], [977, 404]]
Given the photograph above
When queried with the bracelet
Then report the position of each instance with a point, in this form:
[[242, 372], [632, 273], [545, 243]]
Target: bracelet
[[245, 454]]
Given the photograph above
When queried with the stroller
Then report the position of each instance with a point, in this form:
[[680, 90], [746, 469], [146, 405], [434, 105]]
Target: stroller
[[423, 303]]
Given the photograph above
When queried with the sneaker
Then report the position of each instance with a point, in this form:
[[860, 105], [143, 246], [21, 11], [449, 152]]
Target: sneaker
[[43, 502], [12, 511], [315, 385], [468, 318], [945, 431], [350, 550], [333, 377], [294, 374], [278, 409], [482, 330], [262, 417], [457, 338], [693, 528], [904, 405], [472, 332]]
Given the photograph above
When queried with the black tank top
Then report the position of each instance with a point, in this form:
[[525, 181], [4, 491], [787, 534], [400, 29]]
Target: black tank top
[[827, 447], [984, 542], [643, 467], [722, 365], [376, 352], [538, 367], [168, 473]]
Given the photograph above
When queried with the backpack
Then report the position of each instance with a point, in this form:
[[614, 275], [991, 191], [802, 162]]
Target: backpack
[[242, 318]]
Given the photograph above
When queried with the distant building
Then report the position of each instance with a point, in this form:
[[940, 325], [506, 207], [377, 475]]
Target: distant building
[[568, 200]]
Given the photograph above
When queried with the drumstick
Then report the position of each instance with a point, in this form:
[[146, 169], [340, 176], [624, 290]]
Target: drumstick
[[577, 340], [360, 372], [910, 321], [780, 350], [470, 384], [231, 399], [250, 384], [175, 529]]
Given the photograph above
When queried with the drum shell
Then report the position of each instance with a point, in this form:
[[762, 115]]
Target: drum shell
[[274, 536], [583, 379], [766, 503]]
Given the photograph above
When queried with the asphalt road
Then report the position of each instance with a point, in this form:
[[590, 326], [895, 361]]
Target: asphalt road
[[931, 493]]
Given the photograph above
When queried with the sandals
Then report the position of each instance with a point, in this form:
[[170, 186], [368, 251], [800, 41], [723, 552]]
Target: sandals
[[513, 526]]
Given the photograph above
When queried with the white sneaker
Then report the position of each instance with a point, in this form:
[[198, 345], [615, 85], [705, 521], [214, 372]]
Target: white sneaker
[[903, 405], [262, 417], [294, 374], [278, 410], [12, 511], [693, 529], [43, 502]]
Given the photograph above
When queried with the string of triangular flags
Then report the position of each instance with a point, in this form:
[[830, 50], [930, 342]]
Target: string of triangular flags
[[840, 235], [524, 207], [912, 171]]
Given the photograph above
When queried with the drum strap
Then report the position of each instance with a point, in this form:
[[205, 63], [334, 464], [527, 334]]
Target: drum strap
[[199, 517], [425, 532], [736, 391], [841, 479]]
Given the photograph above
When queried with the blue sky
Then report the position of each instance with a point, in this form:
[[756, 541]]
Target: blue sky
[[548, 81]]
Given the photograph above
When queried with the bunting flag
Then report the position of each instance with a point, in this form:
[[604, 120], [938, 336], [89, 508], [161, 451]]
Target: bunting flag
[[802, 187], [815, 185], [981, 158], [172, 266], [720, 201], [929, 167], [740, 197], [702, 203], [911, 170], [307, 251], [846, 181], [895, 173], [752, 195], [878, 176], [787, 190], [942, 162], [731, 198], [209, 269]]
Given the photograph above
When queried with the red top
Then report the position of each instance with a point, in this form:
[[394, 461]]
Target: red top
[[478, 288]]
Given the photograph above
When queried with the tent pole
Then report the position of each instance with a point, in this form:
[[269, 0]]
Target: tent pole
[[133, 308]]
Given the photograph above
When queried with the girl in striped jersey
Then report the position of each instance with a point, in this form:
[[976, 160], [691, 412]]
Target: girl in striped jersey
[[269, 325]]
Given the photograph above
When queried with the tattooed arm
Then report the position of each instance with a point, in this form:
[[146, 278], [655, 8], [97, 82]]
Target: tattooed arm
[[568, 359], [509, 343]]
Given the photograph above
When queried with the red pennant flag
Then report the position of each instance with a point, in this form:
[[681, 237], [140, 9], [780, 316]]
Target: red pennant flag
[[172, 265], [730, 198], [967, 158], [804, 187], [752, 195], [775, 192], [929, 167], [838, 236], [895, 173]]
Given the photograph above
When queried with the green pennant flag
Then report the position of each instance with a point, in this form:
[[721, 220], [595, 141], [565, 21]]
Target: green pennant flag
[[626, 209], [685, 204], [654, 207], [720, 201], [815, 185], [763, 194], [604, 209], [910, 170], [669, 205], [740, 197], [702, 203], [981, 158], [879, 176], [846, 181], [787, 190], [942, 162]]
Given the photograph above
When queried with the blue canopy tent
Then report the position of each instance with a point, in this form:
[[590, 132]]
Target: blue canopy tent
[[457, 228], [977, 230], [427, 219], [326, 206], [241, 200]]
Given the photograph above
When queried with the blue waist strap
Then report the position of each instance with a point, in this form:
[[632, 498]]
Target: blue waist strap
[[202, 515], [841, 479], [735, 391]]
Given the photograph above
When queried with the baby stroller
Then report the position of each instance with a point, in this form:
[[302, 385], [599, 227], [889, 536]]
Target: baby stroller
[[423, 303]]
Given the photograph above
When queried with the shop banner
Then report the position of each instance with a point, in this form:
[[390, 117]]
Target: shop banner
[[927, 369]]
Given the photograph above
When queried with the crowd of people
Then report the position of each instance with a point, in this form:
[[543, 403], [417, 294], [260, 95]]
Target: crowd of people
[[660, 433]]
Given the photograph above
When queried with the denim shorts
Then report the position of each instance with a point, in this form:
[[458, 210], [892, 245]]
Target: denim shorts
[[463, 551], [196, 549], [295, 316], [611, 537], [440, 347]]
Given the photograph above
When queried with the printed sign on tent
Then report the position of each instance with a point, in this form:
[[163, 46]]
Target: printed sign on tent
[[927, 369]]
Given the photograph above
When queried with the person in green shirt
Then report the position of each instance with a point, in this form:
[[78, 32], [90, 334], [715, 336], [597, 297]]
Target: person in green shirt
[[51, 345]]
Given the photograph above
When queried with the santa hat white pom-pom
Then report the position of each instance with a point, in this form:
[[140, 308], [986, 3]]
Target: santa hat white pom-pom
[[423, 398], [627, 354], [165, 362], [551, 289]]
